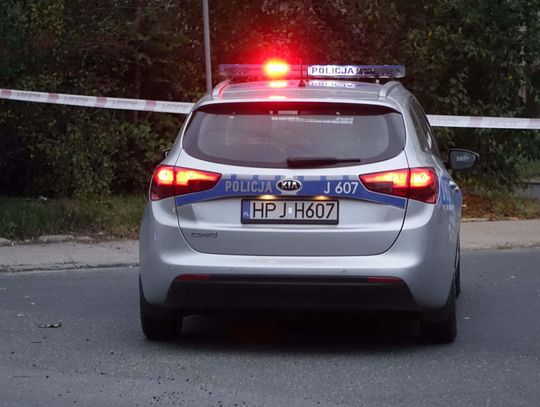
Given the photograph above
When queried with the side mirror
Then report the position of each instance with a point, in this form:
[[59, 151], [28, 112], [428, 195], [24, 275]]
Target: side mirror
[[459, 159]]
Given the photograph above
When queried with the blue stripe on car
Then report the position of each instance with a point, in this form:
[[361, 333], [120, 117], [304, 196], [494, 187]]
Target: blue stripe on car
[[232, 186], [445, 192]]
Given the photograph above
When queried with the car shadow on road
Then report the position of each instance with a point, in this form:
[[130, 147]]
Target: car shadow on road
[[300, 333]]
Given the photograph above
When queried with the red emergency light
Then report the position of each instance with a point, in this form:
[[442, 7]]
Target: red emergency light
[[276, 68]]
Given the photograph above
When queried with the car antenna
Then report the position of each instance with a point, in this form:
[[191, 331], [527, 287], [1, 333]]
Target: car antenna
[[301, 84]]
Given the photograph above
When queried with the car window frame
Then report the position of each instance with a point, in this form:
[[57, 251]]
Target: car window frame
[[425, 136]]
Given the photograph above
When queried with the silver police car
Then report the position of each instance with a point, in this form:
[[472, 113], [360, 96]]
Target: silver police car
[[320, 189]]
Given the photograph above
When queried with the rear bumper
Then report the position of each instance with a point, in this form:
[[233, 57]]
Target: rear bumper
[[233, 292], [422, 257]]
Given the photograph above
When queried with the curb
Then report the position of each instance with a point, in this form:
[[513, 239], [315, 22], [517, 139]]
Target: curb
[[505, 246], [476, 234], [68, 255], [63, 267]]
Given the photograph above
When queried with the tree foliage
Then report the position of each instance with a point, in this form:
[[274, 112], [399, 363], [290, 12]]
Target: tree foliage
[[468, 58]]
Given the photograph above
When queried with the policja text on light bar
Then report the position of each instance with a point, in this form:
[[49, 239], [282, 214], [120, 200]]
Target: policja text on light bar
[[357, 71]]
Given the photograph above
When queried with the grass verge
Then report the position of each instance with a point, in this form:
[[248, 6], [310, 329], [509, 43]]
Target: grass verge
[[26, 218], [500, 206]]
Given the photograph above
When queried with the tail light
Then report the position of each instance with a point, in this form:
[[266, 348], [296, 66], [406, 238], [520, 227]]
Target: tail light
[[420, 184], [170, 181]]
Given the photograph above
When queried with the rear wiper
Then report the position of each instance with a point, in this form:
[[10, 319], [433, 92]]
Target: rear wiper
[[306, 162]]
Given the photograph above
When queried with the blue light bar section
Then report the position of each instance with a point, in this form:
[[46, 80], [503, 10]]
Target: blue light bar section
[[317, 71], [253, 71], [239, 70]]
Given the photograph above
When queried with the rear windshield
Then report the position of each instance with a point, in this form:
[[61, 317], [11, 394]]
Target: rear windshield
[[267, 134]]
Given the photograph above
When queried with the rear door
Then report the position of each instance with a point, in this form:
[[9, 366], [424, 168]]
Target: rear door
[[289, 182]]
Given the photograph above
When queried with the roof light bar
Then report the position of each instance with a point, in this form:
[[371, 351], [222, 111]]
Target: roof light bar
[[314, 71]]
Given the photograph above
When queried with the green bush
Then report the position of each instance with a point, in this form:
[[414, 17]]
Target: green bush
[[462, 58], [74, 152]]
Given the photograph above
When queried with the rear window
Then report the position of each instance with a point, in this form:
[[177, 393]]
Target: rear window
[[266, 134]]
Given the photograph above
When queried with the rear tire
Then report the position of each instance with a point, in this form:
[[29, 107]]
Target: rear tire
[[156, 325], [444, 331], [156, 329]]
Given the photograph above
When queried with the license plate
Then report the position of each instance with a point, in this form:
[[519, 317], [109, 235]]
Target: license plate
[[290, 211]]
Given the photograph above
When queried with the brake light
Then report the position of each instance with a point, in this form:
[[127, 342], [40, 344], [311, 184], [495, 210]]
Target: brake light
[[420, 184], [165, 176], [170, 181], [389, 182], [424, 185]]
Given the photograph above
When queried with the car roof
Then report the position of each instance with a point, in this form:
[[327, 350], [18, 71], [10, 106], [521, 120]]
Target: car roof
[[313, 91]]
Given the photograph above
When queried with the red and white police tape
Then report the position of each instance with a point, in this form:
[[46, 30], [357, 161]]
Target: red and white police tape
[[483, 122], [185, 108], [99, 102]]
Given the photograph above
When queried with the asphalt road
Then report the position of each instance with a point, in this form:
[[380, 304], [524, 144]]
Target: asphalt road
[[99, 357]]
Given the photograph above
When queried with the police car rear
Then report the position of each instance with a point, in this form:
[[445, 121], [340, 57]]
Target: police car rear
[[292, 194]]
